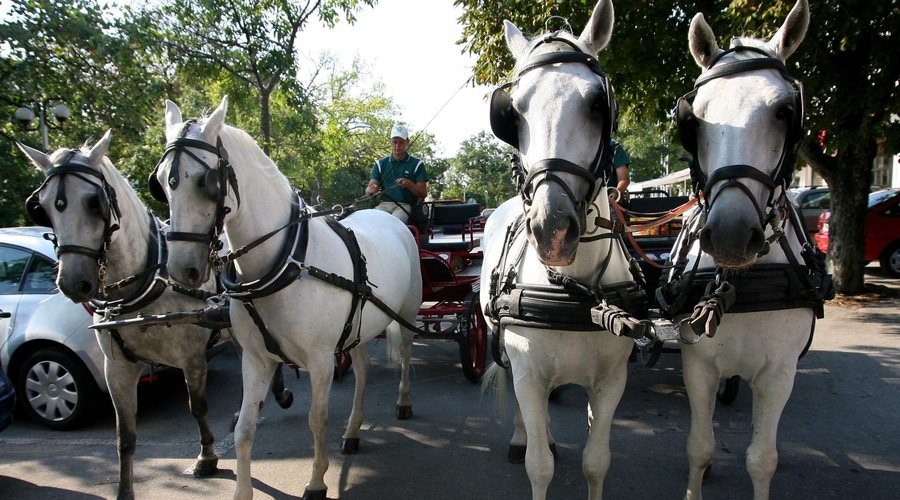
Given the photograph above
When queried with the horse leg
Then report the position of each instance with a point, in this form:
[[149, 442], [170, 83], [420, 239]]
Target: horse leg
[[536, 419], [122, 378], [256, 376], [195, 378], [771, 391], [519, 442], [350, 442], [701, 383], [602, 403], [402, 354], [321, 376]]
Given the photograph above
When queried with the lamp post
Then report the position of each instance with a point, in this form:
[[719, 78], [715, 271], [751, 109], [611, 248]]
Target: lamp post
[[26, 114]]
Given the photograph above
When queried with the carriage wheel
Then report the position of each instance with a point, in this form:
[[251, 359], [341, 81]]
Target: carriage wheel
[[473, 339], [728, 390], [342, 363]]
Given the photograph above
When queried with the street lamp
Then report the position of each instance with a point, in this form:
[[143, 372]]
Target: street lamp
[[26, 114]]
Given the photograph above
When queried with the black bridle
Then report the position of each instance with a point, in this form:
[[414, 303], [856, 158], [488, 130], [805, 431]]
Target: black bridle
[[214, 183], [108, 205], [504, 118], [731, 175]]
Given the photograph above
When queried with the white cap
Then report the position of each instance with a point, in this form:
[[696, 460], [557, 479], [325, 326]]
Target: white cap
[[399, 131]]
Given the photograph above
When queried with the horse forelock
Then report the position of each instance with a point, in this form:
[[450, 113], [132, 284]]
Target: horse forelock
[[535, 46], [747, 41]]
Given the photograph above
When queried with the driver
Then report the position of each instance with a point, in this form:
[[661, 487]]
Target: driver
[[401, 178]]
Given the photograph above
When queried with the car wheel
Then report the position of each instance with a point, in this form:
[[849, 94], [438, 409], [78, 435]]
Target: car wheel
[[890, 260], [57, 390]]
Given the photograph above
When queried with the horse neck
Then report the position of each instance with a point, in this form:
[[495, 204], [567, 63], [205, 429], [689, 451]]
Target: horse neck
[[130, 245], [264, 207]]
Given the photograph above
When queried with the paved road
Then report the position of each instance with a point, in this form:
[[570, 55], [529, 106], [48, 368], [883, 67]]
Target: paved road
[[837, 440]]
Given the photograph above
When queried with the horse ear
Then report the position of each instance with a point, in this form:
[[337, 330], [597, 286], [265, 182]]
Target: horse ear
[[599, 28], [173, 117], [791, 33], [702, 41], [38, 158], [100, 149], [213, 124], [515, 40]]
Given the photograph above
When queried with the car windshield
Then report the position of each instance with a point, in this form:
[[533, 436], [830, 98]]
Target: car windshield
[[881, 197]]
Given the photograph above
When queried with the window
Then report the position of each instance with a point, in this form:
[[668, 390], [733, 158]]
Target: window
[[41, 278], [12, 267]]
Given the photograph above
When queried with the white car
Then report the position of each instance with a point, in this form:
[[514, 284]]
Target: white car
[[46, 347]]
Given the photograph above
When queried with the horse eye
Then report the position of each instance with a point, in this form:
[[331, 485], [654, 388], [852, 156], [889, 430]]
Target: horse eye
[[784, 112], [93, 203]]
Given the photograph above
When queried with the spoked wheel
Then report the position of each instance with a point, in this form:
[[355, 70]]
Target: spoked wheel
[[728, 389], [473, 339]]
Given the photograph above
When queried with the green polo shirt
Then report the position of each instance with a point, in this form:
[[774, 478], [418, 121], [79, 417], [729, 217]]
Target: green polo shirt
[[620, 157], [387, 170]]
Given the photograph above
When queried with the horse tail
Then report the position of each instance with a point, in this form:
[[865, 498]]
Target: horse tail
[[495, 377], [394, 342]]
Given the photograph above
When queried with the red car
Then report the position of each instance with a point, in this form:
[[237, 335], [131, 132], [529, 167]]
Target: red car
[[882, 230]]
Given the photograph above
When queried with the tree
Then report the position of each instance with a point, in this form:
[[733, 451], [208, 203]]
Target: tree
[[652, 153], [478, 171], [82, 53], [250, 44], [846, 63]]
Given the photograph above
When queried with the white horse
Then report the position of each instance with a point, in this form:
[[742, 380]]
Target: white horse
[[105, 235], [300, 315], [743, 129], [554, 245]]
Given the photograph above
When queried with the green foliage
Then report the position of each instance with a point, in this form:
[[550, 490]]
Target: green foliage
[[652, 154], [81, 53], [480, 170]]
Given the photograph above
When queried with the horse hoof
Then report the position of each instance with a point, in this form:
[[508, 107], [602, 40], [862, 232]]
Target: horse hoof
[[206, 467], [707, 474], [314, 495], [404, 412], [349, 446], [516, 454], [285, 399]]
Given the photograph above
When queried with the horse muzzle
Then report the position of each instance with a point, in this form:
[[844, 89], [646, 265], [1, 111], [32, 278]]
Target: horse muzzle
[[190, 269], [553, 225], [78, 277], [734, 239]]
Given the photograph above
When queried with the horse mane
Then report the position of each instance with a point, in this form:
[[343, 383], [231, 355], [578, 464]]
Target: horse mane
[[243, 151], [749, 41], [536, 39]]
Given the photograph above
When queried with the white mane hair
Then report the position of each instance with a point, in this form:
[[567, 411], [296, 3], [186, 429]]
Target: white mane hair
[[243, 151], [534, 40], [747, 41]]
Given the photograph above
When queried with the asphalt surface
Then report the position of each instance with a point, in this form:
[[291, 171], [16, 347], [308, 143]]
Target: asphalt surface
[[838, 436]]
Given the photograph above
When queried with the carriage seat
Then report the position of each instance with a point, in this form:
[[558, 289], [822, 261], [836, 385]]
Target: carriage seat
[[461, 215]]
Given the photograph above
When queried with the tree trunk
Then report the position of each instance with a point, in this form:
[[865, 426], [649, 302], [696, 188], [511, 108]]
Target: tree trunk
[[849, 177], [265, 117]]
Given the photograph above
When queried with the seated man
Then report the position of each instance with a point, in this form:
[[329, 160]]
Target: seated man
[[401, 178]]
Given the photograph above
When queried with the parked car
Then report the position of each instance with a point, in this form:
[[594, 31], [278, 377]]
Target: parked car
[[812, 202], [478, 223], [50, 354], [7, 399], [882, 230]]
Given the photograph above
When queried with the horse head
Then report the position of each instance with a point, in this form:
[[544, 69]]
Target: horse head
[[192, 177], [77, 201], [558, 114], [743, 127]]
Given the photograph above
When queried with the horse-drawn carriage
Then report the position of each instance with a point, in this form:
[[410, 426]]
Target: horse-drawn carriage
[[451, 268]]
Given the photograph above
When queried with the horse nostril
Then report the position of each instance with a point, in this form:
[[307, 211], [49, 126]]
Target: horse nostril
[[757, 240], [193, 275], [86, 289], [706, 242]]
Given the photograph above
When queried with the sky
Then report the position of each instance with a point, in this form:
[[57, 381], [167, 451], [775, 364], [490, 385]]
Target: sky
[[409, 45]]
